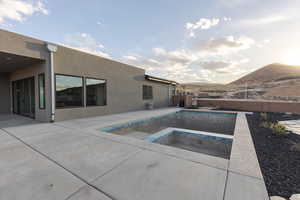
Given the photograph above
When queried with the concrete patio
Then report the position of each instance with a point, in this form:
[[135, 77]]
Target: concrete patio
[[73, 160]]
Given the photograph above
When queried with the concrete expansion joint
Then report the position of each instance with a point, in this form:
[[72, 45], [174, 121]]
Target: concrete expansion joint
[[118, 165], [167, 154], [108, 171], [56, 163], [238, 173], [226, 181], [190, 160]]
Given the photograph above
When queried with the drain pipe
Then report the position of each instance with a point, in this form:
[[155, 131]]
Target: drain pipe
[[52, 49]]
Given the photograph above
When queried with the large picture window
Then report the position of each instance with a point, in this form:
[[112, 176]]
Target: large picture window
[[95, 92], [41, 80], [147, 92], [69, 91]]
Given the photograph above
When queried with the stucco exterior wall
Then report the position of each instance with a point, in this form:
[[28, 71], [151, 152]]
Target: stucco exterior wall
[[21, 45], [124, 84], [160, 94], [25, 46], [34, 71], [5, 94]]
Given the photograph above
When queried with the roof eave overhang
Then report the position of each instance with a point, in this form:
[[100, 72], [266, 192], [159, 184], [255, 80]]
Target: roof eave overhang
[[160, 80]]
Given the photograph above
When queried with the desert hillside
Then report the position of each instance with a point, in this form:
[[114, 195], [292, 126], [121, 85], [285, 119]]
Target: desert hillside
[[290, 91], [270, 73], [203, 86], [274, 81]]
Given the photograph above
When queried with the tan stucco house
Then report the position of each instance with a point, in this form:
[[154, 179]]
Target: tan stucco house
[[50, 82]]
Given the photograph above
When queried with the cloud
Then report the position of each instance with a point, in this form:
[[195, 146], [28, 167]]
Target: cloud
[[232, 67], [201, 60], [223, 45], [85, 42], [186, 65], [265, 20], [202, 24], [214, 65], [263, 43], [236, 3], [221, 65], [18, 10], [146, 63], [132, 58], [178, 56], [227, 19], [207, 61]]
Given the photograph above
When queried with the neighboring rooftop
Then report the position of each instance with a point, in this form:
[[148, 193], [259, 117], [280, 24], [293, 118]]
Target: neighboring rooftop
[[161, 80]]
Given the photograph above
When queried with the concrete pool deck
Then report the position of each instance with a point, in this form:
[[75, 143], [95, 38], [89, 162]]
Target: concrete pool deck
[[73, 160]]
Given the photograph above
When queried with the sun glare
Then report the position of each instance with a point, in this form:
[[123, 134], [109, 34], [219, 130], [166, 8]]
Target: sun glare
[[292, 57]]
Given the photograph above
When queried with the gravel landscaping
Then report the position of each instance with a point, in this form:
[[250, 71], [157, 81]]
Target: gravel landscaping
[[279, 162]]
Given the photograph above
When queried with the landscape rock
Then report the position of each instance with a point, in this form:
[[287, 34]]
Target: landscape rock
[[277, 198], [295, 197], [295, 147], [279, 165]]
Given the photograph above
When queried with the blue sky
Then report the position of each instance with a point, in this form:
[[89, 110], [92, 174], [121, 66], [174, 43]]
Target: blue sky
[[187, 41]]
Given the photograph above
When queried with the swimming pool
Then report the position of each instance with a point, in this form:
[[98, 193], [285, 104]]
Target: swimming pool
[[203, 132], [216, 122]]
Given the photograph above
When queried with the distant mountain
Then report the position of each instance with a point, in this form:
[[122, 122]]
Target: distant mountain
[[200, 86], [270, 73], [273, 82]]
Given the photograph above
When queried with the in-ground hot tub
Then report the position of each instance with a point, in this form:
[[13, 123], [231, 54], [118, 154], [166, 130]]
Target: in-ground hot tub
[[197, 141], [202, 132]]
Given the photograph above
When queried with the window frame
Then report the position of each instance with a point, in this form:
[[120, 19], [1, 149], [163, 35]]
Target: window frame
[[147, 96], [82, 80], [39, 91], [85, 95]]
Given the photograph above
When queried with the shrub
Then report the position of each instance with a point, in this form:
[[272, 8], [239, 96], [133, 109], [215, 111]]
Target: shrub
[[278, 129], [264, 116], [265, 124]]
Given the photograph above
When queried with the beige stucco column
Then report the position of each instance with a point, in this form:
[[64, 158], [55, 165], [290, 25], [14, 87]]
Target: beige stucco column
[[52, 49]]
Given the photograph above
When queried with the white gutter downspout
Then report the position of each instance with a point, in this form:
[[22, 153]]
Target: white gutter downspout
[[52, 49]]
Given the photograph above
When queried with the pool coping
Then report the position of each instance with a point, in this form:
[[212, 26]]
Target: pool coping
[[135, 122], [167, 131], [243, 159], [244, 170]]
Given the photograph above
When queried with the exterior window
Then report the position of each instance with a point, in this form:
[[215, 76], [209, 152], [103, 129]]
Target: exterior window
[[41, 79], [173, 92], [95, 92], [147, 92], [69, 91]]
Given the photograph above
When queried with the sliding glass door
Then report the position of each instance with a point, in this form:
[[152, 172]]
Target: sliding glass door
[[24, 97]]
